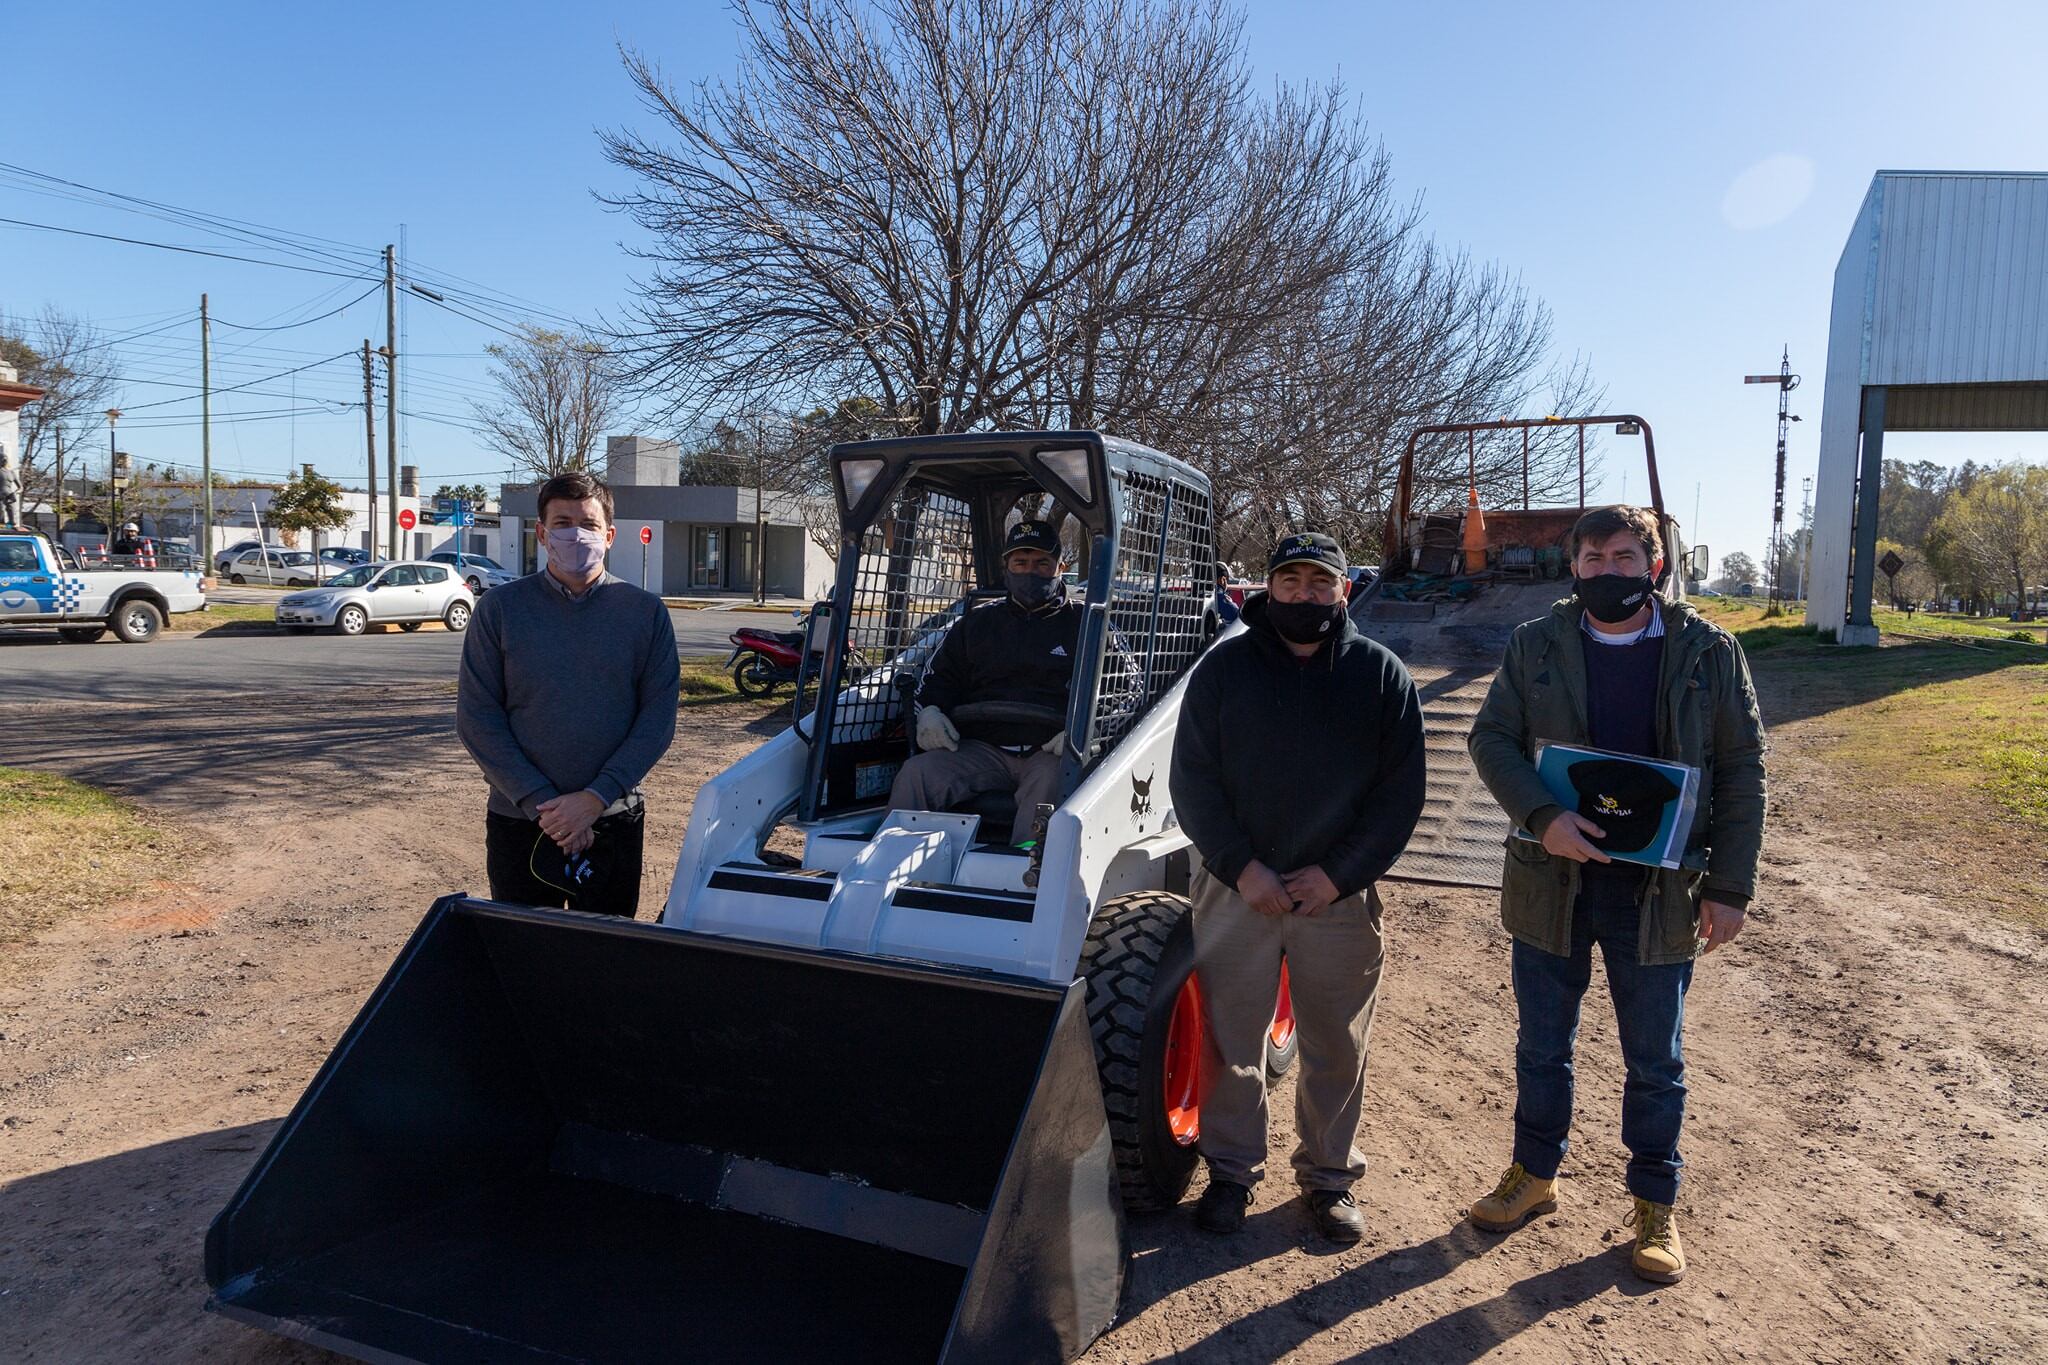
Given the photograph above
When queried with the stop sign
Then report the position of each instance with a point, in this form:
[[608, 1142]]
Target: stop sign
[[647, 535], [406, 519]]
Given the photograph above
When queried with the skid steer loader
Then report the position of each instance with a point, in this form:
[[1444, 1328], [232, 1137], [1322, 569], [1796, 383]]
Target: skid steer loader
[[880, 1085]]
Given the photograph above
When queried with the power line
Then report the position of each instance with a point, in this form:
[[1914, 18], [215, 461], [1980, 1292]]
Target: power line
[[303, 322], [169, 246], [236, 387]]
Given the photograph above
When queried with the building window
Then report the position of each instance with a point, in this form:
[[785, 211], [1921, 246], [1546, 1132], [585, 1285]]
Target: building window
[[707, 556]]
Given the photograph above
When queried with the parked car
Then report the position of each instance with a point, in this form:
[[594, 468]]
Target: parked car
[[223, 558], [345, 555], [479, 571], [286, 568], [405, 594]]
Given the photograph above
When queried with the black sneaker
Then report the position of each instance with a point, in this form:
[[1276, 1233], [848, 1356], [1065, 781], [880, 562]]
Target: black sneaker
[[1337, 1215], [1221, 1207]]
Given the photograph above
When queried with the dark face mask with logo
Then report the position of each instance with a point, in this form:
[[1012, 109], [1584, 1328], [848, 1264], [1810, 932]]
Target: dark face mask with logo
[[1305, 623], [1612, 598], [1029, 590]]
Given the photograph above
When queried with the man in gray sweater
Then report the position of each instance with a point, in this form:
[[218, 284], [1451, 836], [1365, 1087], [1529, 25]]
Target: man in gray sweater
[[567, 700]]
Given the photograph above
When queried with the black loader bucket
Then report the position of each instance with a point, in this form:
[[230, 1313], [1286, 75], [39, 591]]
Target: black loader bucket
[[552, 1136]]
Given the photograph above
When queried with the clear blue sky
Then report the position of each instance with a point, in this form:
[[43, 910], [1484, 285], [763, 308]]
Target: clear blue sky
[[1675, 181]]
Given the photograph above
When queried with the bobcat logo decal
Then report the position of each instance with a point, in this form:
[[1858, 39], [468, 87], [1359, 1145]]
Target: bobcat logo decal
[[1141, 794]]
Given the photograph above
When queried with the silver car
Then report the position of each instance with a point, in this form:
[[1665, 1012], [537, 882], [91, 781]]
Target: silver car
[[282, 568], [479, 571], [405, 594]]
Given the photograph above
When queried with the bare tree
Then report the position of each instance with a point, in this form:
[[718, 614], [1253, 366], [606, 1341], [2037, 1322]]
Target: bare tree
[[79, 375], [560, 394], [1054, 213]]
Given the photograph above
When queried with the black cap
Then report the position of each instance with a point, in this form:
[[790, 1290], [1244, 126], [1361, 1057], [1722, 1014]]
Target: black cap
[[1032, 535], [1308, 547], [1625, 799]]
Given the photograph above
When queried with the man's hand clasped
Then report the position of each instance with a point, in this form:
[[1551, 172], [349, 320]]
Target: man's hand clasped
[[567, 820], [935, 730], [1308, 891]]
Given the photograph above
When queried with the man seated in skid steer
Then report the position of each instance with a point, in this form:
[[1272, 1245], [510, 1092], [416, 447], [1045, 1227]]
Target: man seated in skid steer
[[1018, 650]]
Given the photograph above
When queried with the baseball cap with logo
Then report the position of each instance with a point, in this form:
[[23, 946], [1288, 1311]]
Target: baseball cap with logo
[[1625, 799], [1308, 547], [1032, 535]]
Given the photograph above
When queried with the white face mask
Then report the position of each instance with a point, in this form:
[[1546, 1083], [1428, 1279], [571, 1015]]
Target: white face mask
[[578, 550]]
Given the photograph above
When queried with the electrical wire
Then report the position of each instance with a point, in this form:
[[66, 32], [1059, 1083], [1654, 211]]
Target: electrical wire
[[169, 246], [235, 388]]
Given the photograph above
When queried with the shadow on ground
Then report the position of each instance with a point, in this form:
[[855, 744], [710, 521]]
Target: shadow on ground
[[103, 1260], [1169, 1255]]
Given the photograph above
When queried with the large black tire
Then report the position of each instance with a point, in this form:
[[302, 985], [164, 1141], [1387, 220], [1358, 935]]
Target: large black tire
[[456, 618], [236, 578], [80, 635], [408, 626], [351, 620], [1139, 956], [136, 622], [753, 675]]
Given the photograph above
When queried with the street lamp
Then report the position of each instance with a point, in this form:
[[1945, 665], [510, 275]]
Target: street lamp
[[113, 493]]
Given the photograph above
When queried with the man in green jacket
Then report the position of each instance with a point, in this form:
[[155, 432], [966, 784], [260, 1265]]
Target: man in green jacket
[[1616, 667]]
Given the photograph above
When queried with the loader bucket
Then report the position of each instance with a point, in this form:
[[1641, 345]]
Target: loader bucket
[[552, 1136]]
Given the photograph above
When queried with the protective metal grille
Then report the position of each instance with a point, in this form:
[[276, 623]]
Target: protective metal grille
[[1159, 593], [916, 564]]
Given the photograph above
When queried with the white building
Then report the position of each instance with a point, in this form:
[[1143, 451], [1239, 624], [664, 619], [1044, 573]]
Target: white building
[[1940, 323], [170, 512]]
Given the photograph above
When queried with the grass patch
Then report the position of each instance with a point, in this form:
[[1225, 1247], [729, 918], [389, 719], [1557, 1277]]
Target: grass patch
[[220, 613], [706, 680], [71, 847]]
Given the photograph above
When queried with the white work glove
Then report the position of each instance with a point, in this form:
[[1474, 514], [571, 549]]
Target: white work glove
[[1055, 744], [934, 731]]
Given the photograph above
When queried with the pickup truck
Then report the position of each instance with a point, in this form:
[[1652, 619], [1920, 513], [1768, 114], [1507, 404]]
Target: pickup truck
[[41, 584]]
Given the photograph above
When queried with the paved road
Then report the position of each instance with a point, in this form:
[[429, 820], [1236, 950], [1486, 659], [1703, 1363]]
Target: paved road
[[36, 665]]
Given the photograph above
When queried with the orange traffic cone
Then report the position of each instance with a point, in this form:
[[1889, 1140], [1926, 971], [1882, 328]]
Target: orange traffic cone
[[1475, 535]]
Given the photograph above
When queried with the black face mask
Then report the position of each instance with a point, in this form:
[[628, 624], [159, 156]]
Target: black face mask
[[1305, 623], [1029, 590], [1612, 598]]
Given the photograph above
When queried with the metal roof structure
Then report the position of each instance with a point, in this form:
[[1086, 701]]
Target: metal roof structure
[[1939, 323]]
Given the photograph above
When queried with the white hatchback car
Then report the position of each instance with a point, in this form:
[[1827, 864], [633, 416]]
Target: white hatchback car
[[405, 594]]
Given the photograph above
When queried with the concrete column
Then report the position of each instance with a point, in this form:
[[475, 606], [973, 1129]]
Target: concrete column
[[1870, 482]]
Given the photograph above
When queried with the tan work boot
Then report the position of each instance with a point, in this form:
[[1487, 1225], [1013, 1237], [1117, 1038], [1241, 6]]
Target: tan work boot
[[1660, 1256], [1518, 1197]]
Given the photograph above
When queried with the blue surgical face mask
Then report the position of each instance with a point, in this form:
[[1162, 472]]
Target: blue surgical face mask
[[577, 549]]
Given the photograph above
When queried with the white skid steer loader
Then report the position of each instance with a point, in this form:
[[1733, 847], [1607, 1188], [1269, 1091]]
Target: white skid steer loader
[[885, 1099]]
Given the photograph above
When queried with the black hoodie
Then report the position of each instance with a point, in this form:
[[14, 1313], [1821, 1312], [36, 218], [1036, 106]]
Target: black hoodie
[[1299, 764]]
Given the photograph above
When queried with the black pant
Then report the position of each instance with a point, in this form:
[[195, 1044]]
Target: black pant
[[528, 868]]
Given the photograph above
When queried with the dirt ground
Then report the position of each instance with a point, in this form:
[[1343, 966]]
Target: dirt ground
[[1868, 1122]]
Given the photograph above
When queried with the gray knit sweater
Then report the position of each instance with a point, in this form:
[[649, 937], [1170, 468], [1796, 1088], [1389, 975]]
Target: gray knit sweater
[[560, 694]]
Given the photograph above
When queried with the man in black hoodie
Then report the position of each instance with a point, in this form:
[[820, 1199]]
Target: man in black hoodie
[[1298, 773]]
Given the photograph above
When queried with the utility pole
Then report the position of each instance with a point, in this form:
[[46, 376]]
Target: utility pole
[[205, 433], [1786, 382], [113, 490], [760, 523], [1805, 532], [370, 438], [391, 393], [57, 495]]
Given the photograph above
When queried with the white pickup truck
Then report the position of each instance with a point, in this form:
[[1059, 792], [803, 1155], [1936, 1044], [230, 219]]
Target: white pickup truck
[[42, 585]]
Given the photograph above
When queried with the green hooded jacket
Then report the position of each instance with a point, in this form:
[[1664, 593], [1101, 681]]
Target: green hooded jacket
[[1706, 716]]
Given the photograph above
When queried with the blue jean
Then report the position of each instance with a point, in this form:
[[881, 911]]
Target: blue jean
[[1649, 1009]]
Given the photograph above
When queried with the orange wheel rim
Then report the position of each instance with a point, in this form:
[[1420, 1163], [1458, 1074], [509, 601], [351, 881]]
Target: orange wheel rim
[[1283, 1013], [1184, 1065]]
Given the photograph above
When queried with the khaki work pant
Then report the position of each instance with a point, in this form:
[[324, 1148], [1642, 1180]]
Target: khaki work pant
[[1333, 974], [939, 778]]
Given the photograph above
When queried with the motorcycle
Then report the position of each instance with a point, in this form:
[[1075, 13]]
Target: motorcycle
[[763, 660]]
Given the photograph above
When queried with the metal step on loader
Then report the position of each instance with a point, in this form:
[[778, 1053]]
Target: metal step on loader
[[887, 1098]]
